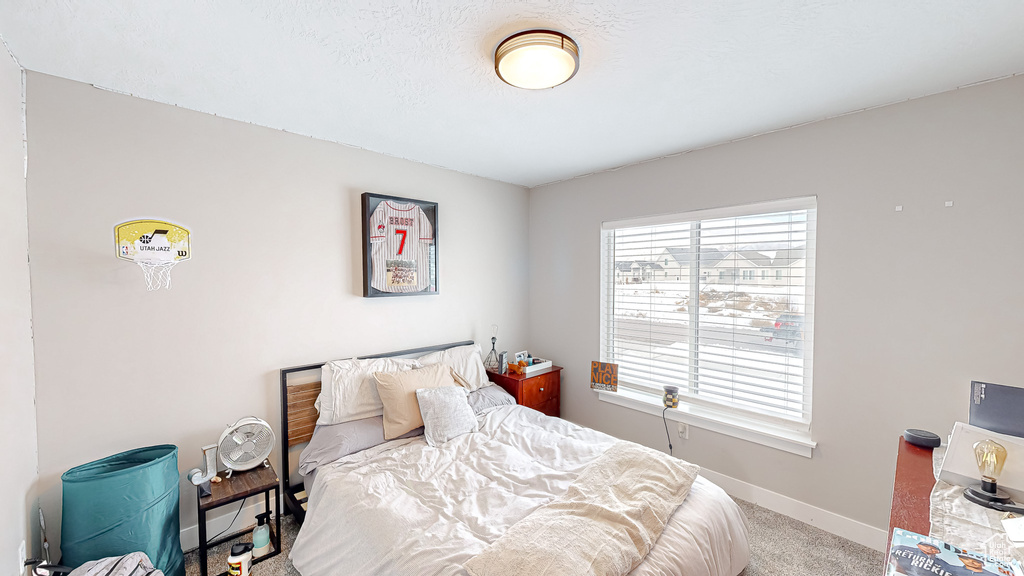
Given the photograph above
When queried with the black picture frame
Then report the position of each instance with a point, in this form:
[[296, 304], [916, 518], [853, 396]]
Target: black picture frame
[[417, 273]]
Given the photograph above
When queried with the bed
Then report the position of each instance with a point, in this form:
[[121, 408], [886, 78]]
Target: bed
[[405, 506]]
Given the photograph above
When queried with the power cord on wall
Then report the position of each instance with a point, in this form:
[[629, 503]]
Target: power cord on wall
[[667, 435]]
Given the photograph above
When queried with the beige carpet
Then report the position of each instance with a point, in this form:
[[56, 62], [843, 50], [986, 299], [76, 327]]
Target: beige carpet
[[782, 546], [779, 546]]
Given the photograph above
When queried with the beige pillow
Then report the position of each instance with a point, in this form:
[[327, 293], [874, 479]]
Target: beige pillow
[[398, 394]]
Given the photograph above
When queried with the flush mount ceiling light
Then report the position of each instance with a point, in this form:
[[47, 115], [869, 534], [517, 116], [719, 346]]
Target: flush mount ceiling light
[[537, 59]]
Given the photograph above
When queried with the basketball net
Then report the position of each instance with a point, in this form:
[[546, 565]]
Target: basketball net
[[157, 272]]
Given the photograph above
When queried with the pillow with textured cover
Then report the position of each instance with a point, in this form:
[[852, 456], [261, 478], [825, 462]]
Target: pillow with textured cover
[[466, 362], [397, 391], [446, 414], [349, 392], [484, 399], [335, 441]]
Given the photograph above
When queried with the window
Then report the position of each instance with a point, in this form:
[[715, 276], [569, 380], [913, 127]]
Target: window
[[737, 349]]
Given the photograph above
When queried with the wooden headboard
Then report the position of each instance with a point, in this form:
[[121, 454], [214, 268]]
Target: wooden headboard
[[299, 415], [300, 411]]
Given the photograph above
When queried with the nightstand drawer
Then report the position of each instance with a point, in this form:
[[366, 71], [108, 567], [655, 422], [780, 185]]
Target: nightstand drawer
[[550, 408], [537, 391]]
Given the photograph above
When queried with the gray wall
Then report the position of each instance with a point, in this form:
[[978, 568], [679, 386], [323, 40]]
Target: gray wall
[[910, 306], [17, 380], [274, 280]]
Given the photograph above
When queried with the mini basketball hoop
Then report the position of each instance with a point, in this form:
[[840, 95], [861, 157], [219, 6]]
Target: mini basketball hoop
[[158, 274], [156, 246]]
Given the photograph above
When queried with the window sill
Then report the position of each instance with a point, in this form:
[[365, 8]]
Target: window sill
[[787, 440]]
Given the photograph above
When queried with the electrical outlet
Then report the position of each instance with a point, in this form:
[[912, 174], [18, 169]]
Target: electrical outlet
[[22, 557], [684, 431]]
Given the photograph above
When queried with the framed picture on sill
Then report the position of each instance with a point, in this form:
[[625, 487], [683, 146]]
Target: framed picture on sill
[[399, 246]]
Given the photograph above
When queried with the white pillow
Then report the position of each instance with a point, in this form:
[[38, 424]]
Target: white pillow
[[467, 362], [446, 413], [349, 392]]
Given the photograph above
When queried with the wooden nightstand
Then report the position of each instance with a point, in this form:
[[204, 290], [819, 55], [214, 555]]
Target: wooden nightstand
[[539, 390], [259, 480]]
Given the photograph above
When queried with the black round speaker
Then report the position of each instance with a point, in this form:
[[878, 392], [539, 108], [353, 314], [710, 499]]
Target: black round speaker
[[922, 438]]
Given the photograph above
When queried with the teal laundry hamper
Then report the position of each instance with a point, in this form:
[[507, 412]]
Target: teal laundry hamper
[[124, 503]]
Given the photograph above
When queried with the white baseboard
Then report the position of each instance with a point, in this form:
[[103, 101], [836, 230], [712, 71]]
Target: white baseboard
[[217, 524], [831, 522]]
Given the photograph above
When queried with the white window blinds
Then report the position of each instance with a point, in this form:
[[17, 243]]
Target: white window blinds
[[718, 303]]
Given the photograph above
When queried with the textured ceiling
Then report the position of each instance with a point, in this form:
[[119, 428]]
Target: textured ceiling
[[414, 78]]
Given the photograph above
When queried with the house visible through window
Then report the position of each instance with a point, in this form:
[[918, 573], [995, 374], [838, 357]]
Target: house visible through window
[[733, 345]]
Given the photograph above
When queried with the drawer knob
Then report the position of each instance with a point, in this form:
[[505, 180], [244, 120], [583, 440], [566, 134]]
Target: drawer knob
[[541, 389]]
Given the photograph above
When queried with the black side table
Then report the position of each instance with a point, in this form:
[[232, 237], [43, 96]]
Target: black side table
[[241, 485]]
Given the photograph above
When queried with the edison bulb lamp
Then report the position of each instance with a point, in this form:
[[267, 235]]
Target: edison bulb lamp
[[537, 59], [990, 456]]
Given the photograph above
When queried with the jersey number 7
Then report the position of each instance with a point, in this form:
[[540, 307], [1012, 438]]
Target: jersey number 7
[[402, 245]]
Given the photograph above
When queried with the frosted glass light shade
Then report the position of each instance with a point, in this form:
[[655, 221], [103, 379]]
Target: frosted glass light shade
[[990, 457], [537, 59]]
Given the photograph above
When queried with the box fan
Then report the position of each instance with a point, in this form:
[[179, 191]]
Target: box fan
[[245, 444]]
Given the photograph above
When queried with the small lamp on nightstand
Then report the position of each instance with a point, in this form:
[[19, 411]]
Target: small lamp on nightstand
[[492, 362]]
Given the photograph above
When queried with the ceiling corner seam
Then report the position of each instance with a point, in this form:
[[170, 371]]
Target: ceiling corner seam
[[10, 53]]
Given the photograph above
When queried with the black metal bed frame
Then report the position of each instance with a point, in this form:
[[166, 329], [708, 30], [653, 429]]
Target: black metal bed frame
[[293, 505]]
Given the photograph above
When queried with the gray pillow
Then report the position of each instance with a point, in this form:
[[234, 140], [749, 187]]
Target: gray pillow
[[337, 440], [446, 414], [484, 399]]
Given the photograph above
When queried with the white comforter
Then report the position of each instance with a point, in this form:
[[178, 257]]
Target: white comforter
[[406, 508]]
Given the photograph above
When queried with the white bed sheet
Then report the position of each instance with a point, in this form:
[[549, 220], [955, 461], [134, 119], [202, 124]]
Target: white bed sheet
[[407, 508]]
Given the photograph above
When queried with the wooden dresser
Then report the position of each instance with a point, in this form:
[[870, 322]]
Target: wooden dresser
[[539, 390]]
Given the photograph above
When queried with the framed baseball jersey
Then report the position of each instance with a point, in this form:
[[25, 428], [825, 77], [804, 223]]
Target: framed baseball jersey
[[399, 246]]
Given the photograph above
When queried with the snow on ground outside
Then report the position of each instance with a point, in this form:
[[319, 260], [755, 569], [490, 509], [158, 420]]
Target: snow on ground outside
[[739, 371]]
